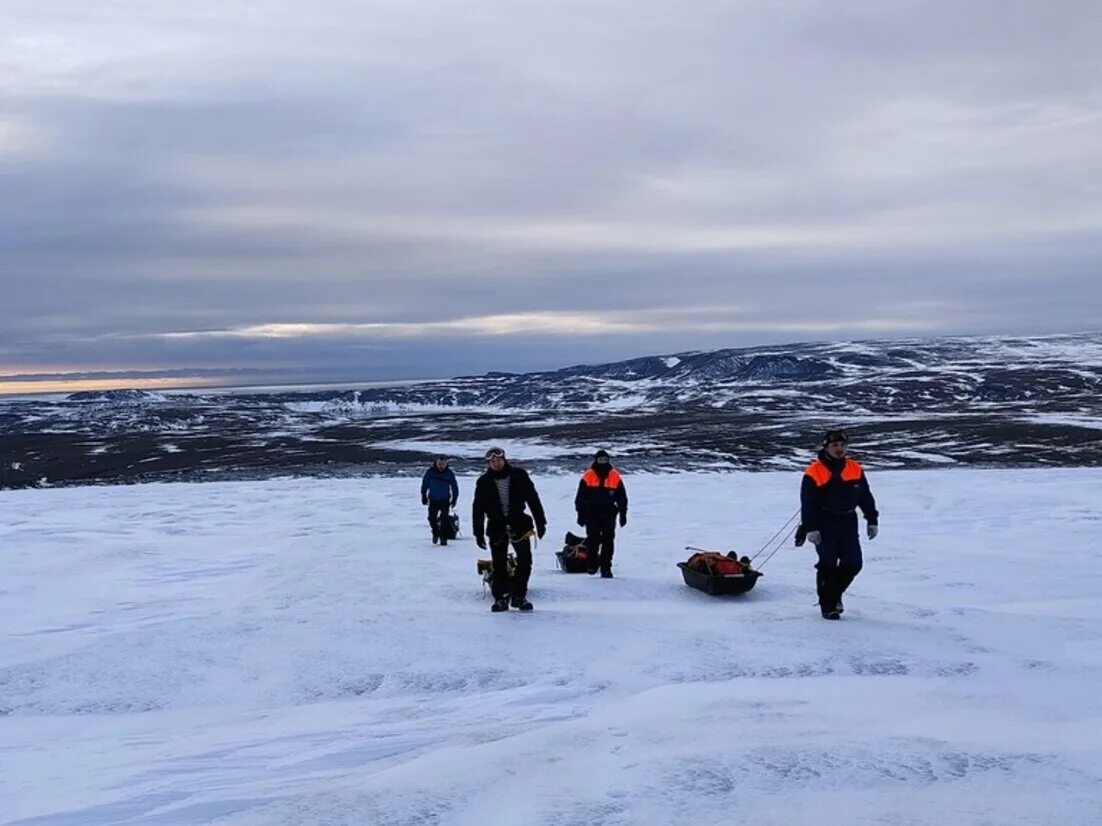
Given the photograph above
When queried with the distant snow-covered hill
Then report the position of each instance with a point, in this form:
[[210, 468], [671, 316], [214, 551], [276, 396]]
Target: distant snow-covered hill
[[969, 401]]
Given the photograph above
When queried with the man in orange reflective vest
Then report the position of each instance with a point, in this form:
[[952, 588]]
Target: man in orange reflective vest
[[834, 487], [601, 495]]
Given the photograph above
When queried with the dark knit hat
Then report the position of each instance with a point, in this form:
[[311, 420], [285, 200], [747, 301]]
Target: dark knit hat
[[599, 455], [835, 436]]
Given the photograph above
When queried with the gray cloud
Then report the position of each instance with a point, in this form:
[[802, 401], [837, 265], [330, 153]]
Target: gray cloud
[[401, 175]]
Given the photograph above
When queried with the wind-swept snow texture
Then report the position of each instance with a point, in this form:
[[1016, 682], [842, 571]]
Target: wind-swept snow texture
[[297, 652]]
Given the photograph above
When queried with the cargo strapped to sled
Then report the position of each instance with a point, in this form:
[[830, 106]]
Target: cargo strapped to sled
[[449, 527], [715, 564], [716, 573], [574, 556]]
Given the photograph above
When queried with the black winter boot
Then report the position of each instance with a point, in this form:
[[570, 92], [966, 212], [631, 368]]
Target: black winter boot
[[846, 575], [521, 604], [500, 604], [826, 584]]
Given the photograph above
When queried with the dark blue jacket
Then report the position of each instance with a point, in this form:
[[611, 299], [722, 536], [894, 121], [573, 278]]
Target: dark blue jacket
[[601, 490], [832, 491], [440, 484]]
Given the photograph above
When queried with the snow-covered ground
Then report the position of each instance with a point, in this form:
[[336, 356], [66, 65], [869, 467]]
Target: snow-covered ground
[[297, 652]]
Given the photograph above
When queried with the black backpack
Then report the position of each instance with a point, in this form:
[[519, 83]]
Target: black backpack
[[574, 556]]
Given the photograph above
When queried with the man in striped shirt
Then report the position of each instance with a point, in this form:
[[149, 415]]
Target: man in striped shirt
[[501, 495]]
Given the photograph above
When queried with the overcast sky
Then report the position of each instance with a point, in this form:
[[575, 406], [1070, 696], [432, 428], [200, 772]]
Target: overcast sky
[[373, 189]]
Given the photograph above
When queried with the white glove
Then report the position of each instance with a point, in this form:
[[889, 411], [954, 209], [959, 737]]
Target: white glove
[[872, 531], [814, 537]]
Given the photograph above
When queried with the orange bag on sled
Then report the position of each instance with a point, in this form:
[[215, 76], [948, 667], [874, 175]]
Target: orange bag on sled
[[574, 556], [716, 573]]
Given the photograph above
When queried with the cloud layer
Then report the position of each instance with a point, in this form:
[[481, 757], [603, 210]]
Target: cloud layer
[[394, 189]]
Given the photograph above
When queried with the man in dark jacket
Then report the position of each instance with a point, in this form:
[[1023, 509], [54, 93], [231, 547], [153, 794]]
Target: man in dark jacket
[[500, 496], [440, 491], [834, 487], [601, 495]]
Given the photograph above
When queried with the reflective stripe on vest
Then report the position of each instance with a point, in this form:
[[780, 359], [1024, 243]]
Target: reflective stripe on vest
[[592, 480], [820, 473]]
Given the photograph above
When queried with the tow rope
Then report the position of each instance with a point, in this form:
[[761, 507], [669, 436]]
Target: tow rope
[[780, 537]]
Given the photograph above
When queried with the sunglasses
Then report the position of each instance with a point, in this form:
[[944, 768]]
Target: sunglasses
[[603, 460], [495, 453]]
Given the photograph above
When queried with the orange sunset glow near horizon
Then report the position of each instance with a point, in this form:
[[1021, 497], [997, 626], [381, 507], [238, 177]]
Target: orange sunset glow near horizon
[[19, 387]]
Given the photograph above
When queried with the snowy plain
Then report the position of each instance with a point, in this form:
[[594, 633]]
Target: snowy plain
[[296, 651]]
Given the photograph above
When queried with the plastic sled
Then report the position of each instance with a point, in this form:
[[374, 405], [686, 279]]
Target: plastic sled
[[719, 584]]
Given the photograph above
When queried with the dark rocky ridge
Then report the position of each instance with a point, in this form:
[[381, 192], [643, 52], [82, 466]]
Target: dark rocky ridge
[[1006, 402]]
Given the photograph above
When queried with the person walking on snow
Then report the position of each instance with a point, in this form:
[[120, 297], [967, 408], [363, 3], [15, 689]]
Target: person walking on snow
[[440, 491], [833, 488], [601, 495], [500, 497]]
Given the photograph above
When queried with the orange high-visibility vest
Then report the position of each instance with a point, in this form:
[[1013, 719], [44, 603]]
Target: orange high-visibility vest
[[592, 480], [820, 473]]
